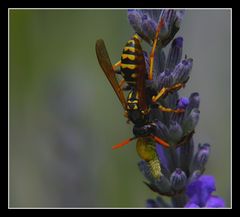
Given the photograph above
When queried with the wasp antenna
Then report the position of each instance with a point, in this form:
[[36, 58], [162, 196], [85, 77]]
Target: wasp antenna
[[125, 142], [161, 142]]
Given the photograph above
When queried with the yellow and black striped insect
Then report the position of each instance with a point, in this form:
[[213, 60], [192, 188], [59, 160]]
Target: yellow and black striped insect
[[132, 61], [136, 110], [132, 65], [135, 107], [133, 69]]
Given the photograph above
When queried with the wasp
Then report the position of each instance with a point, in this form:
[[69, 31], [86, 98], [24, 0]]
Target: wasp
[[140, 98], [136, 105], [132, 64]]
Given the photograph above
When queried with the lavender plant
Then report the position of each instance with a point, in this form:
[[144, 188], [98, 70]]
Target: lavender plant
[[181, 169]]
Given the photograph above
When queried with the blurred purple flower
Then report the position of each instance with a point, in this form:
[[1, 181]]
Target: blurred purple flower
[[199, 193]]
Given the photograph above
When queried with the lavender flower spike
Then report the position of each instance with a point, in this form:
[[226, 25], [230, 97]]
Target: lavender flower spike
[[181, 169]]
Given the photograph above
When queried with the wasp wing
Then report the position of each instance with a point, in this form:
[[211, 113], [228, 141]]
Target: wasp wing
[[106, 66], [141, 77]]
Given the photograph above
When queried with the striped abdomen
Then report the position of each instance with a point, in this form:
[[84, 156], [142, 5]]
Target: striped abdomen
[[132, 60]]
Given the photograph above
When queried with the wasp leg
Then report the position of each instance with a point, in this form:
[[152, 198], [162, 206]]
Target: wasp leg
[[161, 93], [166, 90], [176, 87], [150, 75], [123, 143], [164, 109], [116, 65]]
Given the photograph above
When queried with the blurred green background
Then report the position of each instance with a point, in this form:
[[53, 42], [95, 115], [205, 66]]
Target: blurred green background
[[64, 115]]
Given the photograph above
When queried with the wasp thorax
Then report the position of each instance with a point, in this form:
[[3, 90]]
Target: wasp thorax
[[132, 101]]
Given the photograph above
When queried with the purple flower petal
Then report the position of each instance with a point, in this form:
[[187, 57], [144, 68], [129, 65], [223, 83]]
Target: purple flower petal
[[215, 201], [183, 102], [200, 190], [191, 205]]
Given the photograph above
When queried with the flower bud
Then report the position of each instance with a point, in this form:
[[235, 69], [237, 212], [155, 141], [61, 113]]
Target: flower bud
[[167, 81], [159, 61], [175, 53], [182, 71], [135, 20], [179, 17], [194, 101], [175, 131], [201, 157], [163, 185], [190, 122], [178, 179], [183, 102], [149, 27], [169, 17], [172, 22], [162, 131]]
